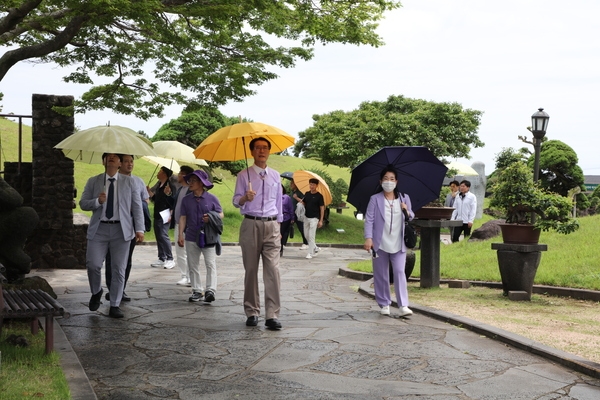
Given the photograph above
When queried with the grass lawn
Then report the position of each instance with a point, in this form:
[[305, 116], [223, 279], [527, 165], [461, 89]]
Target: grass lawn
[[26, 372]]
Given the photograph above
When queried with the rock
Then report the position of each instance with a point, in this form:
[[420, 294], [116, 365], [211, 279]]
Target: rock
[[487, 231]]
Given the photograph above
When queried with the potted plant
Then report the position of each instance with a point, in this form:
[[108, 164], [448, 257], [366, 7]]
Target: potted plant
[[518, 198], [434, 210]]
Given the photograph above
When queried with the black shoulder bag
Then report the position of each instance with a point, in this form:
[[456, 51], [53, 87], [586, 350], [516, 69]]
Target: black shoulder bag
[[410, 233]]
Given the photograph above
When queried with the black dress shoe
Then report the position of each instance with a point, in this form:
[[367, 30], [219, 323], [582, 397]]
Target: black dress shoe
[[95, 300], [107, 296], [273, 324], [115, 312], [125, 297], [252, 321]]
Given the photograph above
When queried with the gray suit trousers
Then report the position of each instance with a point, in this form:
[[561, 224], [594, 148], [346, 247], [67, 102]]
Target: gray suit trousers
[[108, 237]]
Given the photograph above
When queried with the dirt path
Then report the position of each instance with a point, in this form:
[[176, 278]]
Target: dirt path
[[563, 323]]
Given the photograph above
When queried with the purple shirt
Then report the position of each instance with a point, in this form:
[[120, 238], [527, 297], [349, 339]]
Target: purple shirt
[[287, 207], [194, 208], [267, 201]]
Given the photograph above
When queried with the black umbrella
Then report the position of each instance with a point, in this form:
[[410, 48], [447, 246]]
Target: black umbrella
[[287, 175], [420, 175]]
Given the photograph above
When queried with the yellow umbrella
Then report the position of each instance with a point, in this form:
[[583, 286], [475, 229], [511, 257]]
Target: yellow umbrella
[[301, 179], [177, 151], [88, 145], [231, 142]]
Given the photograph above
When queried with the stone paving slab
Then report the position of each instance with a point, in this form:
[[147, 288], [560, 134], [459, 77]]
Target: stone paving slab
[[334, 343]]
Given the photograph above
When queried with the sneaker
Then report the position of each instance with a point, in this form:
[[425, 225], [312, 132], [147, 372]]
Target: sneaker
[[183, 282], [308, 256], [405, 311], [157, 264], [317, 249], [196, 296], [169, 264], [209, 296], [385, 310], [304, 247]]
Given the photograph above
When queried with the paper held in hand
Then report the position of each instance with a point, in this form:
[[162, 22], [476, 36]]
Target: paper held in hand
[[166, 215]]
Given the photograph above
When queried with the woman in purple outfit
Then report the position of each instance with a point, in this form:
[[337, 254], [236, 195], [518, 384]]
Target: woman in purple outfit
[[384, 238], [288, 217]]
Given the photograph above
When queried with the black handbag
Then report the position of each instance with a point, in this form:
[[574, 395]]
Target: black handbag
[[410, 233]]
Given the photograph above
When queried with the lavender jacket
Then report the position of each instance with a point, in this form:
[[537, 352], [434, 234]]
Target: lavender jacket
[[374, 219]]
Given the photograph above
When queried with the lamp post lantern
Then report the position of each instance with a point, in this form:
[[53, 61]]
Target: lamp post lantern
[[539, 124]]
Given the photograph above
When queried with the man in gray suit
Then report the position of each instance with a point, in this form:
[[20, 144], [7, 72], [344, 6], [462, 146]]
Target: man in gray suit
[[116, 204]]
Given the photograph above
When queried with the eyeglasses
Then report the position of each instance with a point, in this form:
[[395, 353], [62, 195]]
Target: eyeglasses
[[192, 180], [261, 148]]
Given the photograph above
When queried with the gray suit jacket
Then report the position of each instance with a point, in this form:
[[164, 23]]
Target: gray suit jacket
[[128, 199]]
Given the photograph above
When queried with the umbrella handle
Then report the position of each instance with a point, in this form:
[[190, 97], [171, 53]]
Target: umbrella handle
[[249, 185]]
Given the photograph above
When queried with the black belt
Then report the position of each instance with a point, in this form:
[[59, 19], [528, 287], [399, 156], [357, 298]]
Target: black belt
[[111, 222], [261, 218]]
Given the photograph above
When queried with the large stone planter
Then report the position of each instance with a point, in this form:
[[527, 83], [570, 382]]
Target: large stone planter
[[518, 265]]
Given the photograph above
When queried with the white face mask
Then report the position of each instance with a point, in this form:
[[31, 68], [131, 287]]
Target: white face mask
[[388, 186]]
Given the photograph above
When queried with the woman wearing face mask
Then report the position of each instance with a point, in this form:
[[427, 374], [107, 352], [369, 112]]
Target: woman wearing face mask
[[384, 233]]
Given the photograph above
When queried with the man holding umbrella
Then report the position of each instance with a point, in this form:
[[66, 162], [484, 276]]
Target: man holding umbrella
[[258, 193], [117, 209]]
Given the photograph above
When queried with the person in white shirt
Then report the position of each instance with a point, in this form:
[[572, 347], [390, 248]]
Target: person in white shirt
[[465, 209]]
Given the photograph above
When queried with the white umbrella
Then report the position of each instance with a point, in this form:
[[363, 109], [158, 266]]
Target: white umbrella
[[163, 162]]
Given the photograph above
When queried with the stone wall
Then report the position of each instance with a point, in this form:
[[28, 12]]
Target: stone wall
[[56, 242]]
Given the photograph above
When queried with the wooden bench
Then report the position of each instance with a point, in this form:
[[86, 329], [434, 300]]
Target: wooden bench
[[30, 304]]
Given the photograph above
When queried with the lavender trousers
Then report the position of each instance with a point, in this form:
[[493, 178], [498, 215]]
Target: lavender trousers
[[382, 278]]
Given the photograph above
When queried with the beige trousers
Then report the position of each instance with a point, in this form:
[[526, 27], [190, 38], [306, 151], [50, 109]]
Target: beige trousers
[[261, 239]]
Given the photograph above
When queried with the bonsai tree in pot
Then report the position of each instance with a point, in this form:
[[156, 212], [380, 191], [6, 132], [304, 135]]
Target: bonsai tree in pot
[[518, 197]]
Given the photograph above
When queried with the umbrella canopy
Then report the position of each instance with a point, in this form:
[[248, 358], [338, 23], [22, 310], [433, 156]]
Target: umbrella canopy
[[177, 151], [231, 142], [462, 169], [420, 175], [301, 179], [163, 162], [287, 175], [89, 145]]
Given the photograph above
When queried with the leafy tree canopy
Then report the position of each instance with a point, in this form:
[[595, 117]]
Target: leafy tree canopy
[[347, 138], [207, 51], [559, 171]]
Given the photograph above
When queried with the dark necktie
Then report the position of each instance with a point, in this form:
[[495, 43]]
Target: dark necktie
[[111, 198]]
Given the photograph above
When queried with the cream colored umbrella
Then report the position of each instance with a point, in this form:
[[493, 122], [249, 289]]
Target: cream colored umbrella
[[170, 163], [462, 169], [178, 152], [88, 145]]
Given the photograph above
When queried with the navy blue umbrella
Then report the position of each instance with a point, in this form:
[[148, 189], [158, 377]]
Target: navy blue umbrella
[[420, 175]]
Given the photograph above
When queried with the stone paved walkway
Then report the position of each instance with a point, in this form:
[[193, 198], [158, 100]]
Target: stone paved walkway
[[334, 343]]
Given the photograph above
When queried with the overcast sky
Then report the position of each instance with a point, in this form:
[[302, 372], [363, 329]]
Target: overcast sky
[[506, 59]]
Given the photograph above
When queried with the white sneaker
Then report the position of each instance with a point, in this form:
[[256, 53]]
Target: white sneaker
[[169, 264], [183, 282], [304, 247], [405, 311], [158, 264], [308, 256], [385, 310], [317, 249]]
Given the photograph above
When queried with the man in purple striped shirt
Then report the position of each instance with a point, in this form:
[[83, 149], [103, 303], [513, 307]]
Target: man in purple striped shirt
[[258, 196]]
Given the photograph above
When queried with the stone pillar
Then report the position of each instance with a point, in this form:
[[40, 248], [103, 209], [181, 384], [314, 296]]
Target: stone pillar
[[56, 242], [478, 186]]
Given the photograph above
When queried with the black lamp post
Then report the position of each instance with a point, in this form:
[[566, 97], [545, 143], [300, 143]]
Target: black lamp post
[[539, 123]]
